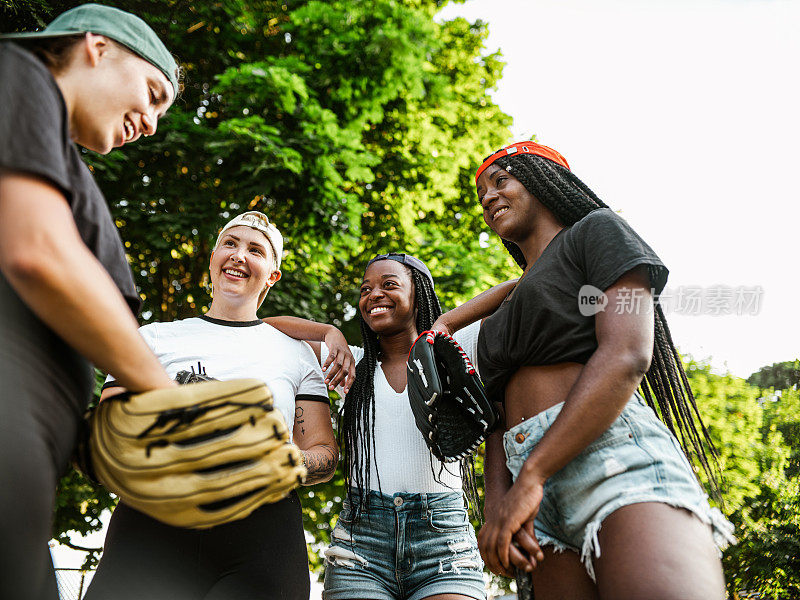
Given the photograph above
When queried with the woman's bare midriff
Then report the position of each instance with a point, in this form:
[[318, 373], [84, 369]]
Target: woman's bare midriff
[[534, 389]]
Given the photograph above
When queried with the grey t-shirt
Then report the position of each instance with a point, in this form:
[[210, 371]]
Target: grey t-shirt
[[35, 139], [36, 365], [541, 323]]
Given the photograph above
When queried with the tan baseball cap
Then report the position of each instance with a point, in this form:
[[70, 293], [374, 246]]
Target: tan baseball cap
[[259, 221]]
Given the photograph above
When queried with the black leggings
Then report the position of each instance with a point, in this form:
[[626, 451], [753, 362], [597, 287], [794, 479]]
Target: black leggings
[[44, 385], [260, 557]]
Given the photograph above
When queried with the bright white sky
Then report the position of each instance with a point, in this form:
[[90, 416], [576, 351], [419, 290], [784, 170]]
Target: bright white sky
[[685, 116]]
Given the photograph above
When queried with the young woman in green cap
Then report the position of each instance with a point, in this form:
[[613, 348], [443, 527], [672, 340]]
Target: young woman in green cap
[[98, 77]]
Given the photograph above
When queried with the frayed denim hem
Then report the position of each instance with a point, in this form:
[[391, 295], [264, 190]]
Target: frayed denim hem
[[558, 545], [721, 528]]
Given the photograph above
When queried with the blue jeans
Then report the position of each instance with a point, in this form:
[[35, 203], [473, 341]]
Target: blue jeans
[[635, 460], [408, 546]]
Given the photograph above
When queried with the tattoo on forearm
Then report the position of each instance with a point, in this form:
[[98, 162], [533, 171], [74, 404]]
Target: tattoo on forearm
[[320, 463]]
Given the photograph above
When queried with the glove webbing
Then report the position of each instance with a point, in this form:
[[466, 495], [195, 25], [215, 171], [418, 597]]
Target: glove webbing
[[188, 414]]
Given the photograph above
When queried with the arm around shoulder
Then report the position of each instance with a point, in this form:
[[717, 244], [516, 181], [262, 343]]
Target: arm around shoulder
[[301, 329], [340, 366], [479, 307]]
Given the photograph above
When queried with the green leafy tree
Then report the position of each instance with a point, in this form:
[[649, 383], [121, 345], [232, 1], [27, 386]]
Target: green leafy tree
[[355, 125], [767, 557], [756, 435], [782, 414], [779, 385], [781, 376], [734, 419]]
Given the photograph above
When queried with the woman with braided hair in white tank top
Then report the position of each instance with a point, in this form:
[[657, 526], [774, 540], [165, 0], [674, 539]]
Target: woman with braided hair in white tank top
[[403, 532]]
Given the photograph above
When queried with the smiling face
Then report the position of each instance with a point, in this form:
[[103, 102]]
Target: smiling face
[[242, 267], [509, 209], [387, 298], [114, 96]]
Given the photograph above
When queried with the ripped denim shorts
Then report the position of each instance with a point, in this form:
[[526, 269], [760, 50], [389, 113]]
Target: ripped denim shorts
[[635, 460], [404, 546]]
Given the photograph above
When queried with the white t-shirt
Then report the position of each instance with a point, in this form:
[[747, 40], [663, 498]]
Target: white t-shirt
[[401, 455], [232, 350]]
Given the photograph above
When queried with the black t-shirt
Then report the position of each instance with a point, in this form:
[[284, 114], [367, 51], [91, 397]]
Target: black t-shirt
[[541, 323], [36, 366], [35, 139]]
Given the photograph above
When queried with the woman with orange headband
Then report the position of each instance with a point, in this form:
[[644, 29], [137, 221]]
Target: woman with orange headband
[[587, 489]]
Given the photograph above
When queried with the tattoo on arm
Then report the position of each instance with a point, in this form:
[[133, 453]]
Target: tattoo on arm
[[298, 418], [320, 463]]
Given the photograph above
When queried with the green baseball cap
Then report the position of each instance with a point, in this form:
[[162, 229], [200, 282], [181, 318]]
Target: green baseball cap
[[123, 27]]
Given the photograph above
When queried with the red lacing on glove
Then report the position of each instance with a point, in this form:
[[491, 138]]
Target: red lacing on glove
[[430, 336]]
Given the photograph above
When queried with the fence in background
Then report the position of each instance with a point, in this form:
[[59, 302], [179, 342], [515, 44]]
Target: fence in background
[[72, 583]]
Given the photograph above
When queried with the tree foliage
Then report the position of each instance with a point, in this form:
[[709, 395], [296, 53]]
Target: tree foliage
[[781, 376], [355, 125], [756, 432]]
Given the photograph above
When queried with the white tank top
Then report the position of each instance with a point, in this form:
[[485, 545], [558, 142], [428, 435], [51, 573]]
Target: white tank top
[[401, 456]]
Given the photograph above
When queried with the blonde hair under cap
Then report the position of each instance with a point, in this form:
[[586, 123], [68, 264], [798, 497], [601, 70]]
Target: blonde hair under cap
[[260, 222]]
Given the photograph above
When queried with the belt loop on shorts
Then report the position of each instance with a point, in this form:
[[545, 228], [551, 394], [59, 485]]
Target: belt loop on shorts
[[424, 499], [544, 422]]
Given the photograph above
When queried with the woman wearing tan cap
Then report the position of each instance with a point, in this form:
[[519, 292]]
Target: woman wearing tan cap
[[264, 554], [98, 77]]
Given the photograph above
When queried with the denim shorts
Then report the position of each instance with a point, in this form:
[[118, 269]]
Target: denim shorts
[[635, 460], [404, 546]]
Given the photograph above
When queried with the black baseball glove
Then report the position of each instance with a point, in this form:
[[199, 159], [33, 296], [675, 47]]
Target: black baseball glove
[[447, 397], [184, 377]]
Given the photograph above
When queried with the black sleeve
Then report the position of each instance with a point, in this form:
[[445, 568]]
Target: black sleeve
[[109, 384], [32, 119], [608, 248], [313, 398]]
